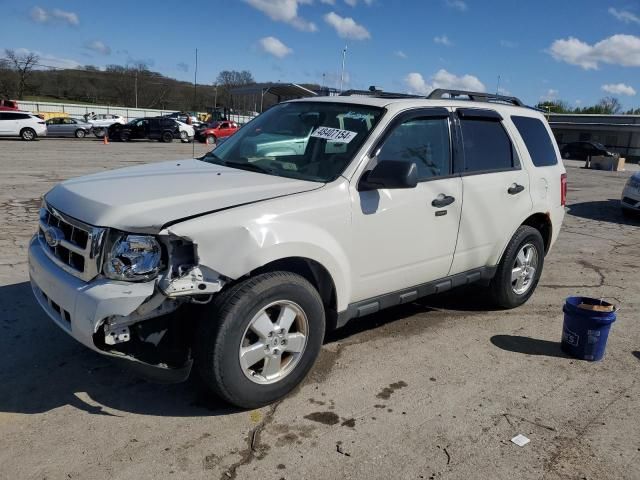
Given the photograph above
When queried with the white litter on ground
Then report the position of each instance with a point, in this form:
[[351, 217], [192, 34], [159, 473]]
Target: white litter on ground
[[520, 440]]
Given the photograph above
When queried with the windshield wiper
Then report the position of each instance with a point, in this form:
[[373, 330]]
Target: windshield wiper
[[247, 166]]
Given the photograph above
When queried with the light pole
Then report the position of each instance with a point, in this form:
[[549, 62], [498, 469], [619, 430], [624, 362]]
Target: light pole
[[344, 57]]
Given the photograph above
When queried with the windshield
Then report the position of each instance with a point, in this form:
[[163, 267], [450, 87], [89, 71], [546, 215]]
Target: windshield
[[307, 140]]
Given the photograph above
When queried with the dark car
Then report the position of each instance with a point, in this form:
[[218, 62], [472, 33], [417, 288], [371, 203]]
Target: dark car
[[584, 150], [152, 128]]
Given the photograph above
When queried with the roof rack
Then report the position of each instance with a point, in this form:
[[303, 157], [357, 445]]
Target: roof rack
[[377, 93], [439, 93]]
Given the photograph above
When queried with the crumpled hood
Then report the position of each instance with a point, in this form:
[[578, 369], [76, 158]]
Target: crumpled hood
[[146, 197]]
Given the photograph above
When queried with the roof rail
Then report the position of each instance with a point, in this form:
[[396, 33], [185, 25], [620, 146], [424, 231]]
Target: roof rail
[[439, 93], [377, 93]]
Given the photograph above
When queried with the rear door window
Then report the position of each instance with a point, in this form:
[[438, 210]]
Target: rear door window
[[487, 147], [537, 140]]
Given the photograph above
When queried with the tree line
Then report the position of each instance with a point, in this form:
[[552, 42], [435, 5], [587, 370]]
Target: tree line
[[605, 106], [22, 76]]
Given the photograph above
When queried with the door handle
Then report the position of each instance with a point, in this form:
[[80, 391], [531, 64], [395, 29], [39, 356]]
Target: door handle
[[514, 189], [442, 200]]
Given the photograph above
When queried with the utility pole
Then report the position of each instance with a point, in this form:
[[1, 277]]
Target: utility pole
[[136, 87], [344, 57], [498, 86], [215, 96], [195, 83]]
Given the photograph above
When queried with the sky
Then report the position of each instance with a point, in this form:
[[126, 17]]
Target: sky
[[575, 50]]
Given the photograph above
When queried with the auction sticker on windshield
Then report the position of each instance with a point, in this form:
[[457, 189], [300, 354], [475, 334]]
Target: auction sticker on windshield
[[334, 134]]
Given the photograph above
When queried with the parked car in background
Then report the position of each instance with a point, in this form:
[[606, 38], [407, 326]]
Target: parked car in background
[[186, 117], [187, 132], [630, 199], [102, 121], [584, 150], [68, 127], [216, 131], [9, 105], [152, 128], [22, 124]]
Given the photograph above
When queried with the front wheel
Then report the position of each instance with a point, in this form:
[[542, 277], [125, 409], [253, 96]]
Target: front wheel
[[210, 140], [259, 339], [99, 132], [520, 268], [184, 137], [80, 133]]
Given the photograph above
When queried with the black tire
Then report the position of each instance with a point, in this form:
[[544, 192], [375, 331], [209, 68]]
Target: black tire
[[80, 133], [28, 134], [502, 291], [167, 137], [222, 327], [99, 132], [210, 140]]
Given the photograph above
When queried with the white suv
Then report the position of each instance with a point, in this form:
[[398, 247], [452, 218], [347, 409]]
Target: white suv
[[240, 261], [25, 125]]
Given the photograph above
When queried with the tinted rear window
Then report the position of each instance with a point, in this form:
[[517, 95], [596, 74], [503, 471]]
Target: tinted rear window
[[537, 140], [486, 146]]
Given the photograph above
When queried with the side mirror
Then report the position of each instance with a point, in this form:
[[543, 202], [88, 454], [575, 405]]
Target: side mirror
[[390, 174]]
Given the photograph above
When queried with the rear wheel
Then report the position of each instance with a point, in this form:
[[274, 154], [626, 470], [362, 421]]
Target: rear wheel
[[259, 339], [184, 137], [520, 268], [28, 134], [80, 133], [211, 139], [167, 137], [99, 132]]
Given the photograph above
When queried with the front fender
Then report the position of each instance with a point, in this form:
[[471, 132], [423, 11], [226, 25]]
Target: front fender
[[311, 225]]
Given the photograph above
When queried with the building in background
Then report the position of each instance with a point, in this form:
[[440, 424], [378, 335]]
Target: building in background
[[618, 133]]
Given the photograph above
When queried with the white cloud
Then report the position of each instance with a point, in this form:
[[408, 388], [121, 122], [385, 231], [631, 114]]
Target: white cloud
[[443, 40], [48, 60], [618, 89], [550, 95], [459, 5], [618, 49], [351, 3], [274, 47], [443, 79], [400, 54], [508, 44], [625, 15], [285, 11], [40, 15], [98, 47], [347, 27]]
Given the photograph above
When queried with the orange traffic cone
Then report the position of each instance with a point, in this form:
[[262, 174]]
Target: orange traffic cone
[[105, 139]]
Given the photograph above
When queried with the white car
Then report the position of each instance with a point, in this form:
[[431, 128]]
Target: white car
[[102, 121], [389, 199], [187, 132], [630, 199], [25, 125]]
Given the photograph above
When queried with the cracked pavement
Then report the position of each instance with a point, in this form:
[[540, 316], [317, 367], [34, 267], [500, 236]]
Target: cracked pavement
[[430, 390]]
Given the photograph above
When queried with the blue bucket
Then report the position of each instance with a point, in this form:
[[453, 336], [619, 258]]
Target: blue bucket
[[585, 332]]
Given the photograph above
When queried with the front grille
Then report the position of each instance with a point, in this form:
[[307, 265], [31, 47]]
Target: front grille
[[630, 201], [73, 245]]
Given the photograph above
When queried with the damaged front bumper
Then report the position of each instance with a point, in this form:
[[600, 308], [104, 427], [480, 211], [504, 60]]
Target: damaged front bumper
[[87, 311]]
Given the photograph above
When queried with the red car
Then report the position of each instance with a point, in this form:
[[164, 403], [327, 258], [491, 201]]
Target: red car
[[217, 130], [9, 105]]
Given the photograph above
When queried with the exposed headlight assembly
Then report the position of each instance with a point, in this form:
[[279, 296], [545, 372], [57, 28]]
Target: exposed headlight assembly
[[133, 258]]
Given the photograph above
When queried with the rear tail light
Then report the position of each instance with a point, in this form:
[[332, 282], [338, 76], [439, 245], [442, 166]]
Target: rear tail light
[[563, 189]]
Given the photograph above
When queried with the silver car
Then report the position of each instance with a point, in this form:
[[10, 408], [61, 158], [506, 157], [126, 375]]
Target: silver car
[[67, 127]]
